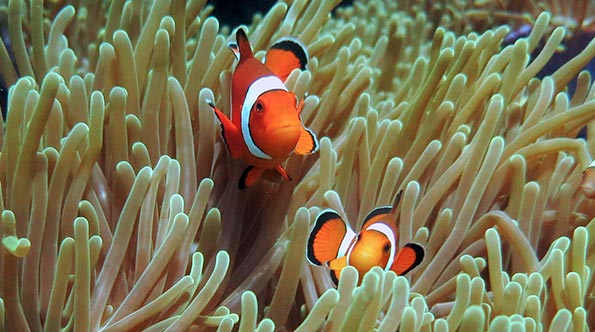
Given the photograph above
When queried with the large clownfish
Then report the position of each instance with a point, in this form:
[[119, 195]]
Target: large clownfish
[[265, 126], [333, 243]]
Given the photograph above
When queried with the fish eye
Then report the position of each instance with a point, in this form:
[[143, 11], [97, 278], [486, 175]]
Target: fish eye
[[259, 107], [386, 247]]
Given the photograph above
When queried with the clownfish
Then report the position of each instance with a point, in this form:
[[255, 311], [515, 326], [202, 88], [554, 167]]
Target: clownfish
[[587, 187], [265, 126], [333, 243]]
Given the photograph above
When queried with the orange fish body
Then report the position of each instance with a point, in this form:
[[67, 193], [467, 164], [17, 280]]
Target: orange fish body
[[265, 127], [333, 243]]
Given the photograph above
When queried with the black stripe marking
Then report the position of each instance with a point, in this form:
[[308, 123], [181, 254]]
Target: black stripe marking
[[320, 221], [419, 255], [294, 47]]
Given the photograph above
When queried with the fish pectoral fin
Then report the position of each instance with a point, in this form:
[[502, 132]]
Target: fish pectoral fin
[[329, 238], [410, 256], [307, 144], [229, 132], [335, 275], [235, 49], [250, 175], [338, 264], [283, 172]]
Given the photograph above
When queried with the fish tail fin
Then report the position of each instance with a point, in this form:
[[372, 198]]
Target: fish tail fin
[[307, 144], [410, 256], [249, 176], [228, 130], [286, 55], [245, 50], [329, 238]]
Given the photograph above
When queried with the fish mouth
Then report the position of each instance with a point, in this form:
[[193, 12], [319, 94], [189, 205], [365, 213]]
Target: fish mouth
[[363, 259], [283, 130], [281, 139]]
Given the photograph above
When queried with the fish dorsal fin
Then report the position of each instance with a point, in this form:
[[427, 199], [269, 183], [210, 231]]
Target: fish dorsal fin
[[286, 55], [378, 214], [330, 238], [388, 214], [396, 203], [410, 256], [242, 49]]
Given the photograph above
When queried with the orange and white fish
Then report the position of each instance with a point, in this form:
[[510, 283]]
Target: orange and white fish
[[333, 243], [265, 126]]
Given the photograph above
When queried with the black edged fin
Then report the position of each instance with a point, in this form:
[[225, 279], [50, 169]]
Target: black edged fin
[[419, 256], [307, 144], [379, 211], [295, 47], [242, 183], [286, 55], [397, 201], [243, 44], [224, 123], [326, 248], [334, 276]]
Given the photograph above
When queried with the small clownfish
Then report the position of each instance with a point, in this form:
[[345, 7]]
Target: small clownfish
[[265, 126], [587, 187], [333, 243]]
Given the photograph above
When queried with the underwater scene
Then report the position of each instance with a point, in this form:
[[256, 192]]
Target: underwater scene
[[325, 165]]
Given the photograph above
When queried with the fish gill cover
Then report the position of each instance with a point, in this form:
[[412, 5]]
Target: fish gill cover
[[120, 210]]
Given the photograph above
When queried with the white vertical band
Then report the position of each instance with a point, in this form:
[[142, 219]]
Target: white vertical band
[[388, 232], [347, 239], [258, 87]]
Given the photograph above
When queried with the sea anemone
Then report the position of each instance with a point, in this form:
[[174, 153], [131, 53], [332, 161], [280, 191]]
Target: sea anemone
[[120, 206]]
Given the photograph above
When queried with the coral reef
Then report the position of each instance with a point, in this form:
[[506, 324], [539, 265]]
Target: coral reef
[[120, 210]]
